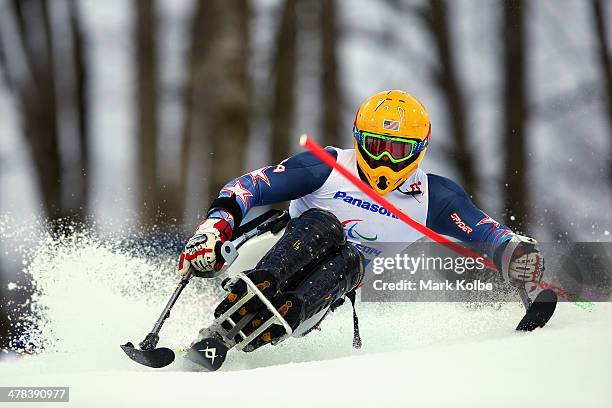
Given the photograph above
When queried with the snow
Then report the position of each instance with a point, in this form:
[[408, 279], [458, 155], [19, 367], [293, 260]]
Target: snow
[[565, 364], [93, 296]]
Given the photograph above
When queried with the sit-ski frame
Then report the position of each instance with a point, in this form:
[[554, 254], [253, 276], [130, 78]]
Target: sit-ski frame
[[228, 336], [230, 254]]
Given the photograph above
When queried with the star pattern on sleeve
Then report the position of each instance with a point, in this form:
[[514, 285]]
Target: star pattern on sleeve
[[240, 191], [260, 174]]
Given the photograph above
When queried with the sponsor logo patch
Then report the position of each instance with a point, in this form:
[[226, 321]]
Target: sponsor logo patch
[[350, 225], [460, 224], [210, 353], [366, 205], [416, 187]]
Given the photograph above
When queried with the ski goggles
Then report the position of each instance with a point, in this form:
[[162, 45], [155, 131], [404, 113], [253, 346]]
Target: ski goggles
[[396, 149]]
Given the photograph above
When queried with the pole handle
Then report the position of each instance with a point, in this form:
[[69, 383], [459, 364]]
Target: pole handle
[[524, 298]]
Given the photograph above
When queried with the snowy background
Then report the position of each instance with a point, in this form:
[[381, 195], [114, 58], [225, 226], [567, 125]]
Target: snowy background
[[568, 134], [88, 292]]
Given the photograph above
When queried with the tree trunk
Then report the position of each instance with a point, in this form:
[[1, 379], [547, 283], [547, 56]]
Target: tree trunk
[[332, 110], [284, 67], [516, 191], [35, 89], [229, 110], [38, 102], [436, 17], [606, 69], [81, 81], [146, 25], [194, 90], [216, 93]]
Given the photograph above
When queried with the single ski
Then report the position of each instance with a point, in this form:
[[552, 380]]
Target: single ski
[[209, 353], [155, 358]]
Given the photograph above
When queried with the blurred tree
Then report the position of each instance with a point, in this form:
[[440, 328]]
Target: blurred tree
[[36, 95], [42, 94], [435, 15], [147, 103], [229, 110], [195, 86], [284, 69], [216, 92], [605, 62], [516, 193], [332, 112], [80, 83]]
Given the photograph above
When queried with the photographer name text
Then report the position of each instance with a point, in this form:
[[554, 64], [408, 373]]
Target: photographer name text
[[409, 285]]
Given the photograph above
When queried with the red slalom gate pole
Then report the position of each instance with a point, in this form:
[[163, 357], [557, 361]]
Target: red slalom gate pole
[[329, 160], [538, 312]]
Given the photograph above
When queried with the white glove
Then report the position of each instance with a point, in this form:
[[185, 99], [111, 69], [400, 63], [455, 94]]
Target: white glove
[[522, 263], [203, 250]]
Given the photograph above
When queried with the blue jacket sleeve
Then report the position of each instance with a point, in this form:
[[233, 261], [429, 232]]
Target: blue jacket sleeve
[[293, 178], [452, 213]]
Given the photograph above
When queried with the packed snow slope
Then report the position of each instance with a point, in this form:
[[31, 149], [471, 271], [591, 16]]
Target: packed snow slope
[[93, 296]]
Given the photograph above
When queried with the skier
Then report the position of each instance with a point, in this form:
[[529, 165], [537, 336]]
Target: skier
[[316, 263]]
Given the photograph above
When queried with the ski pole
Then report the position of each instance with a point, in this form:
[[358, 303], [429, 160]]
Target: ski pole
[[151, 339]]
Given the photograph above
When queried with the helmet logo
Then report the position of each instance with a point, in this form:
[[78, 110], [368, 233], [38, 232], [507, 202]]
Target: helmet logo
[[391, 125], [380, 102], [401, 112]]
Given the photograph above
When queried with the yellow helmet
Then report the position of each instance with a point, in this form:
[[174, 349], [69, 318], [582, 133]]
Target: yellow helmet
[[391, 135]]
